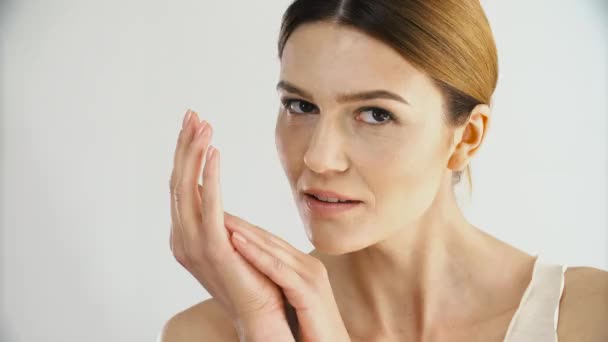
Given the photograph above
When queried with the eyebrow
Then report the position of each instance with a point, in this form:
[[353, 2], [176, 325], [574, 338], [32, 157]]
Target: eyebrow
[[347, 97]]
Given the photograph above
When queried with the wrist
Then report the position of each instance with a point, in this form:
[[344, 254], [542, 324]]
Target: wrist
[[264, 329]]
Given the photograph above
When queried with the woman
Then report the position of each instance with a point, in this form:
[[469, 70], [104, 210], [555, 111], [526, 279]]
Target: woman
[[384, 103]]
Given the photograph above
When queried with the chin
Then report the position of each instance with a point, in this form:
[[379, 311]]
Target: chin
[[333, 239]]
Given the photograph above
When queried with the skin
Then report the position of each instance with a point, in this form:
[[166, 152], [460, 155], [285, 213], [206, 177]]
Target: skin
[[457, 283], [413, 231]]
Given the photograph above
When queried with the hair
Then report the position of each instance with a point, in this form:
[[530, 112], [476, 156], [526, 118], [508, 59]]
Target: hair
[[450, 40]]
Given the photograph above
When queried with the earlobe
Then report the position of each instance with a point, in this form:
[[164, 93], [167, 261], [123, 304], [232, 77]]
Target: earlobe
[[455, 163], [458, 161]]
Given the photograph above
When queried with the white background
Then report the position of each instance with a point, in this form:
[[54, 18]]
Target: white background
[[92, 94]]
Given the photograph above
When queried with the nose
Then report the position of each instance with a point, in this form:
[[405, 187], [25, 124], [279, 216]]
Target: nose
[[325, 153]]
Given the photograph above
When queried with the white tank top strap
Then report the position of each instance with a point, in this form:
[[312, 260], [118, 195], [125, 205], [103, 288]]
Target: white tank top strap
[[537, 315]]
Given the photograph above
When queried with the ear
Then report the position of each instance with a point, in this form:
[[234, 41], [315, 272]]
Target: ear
[[468, 137]]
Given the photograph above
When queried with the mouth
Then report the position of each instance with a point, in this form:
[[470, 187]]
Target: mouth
[[329, 207], [330, 200]]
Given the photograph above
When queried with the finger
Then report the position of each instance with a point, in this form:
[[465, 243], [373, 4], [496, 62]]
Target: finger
[[235, 223], [305, 299], [268, 243], [187, 130], [184, 137], [189, 206], [211, 198], [272, 265]]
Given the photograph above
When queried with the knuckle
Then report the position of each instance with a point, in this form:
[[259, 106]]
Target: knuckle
[[173, 184], [277, 264], [269, 240], [178, 190]]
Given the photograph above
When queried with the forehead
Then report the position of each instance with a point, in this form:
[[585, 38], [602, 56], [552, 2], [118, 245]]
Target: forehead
[[331, 58]]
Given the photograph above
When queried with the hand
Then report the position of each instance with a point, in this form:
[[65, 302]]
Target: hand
[[200, 242], [302, 277]]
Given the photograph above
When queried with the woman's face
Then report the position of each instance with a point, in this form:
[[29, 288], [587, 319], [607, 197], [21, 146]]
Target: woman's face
[[388, 154]]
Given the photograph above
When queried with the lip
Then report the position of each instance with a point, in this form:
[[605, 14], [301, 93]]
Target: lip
[[326, 209], [328, 194]]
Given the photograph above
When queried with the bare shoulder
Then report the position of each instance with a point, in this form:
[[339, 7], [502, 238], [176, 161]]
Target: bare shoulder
[[205, 321], [584, 305]]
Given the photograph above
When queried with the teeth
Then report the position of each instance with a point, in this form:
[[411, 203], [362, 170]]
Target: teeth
[[330, 200]]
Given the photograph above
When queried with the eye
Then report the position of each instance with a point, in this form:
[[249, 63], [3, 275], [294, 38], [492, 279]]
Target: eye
[[292, 104], [382, 116], [378, 116]]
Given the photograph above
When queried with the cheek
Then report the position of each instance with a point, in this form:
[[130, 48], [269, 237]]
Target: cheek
[[405, 178], [291, 144], [404, 197], [390, 152]]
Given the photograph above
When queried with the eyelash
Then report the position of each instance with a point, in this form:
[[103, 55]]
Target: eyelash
[[391, 118]]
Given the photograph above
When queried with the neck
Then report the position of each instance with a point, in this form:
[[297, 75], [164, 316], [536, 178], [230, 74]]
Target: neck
[[431, 272]]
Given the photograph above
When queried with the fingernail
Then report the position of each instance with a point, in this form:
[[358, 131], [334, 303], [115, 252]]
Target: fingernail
[[186, 117], [201, 128], [239, 237]]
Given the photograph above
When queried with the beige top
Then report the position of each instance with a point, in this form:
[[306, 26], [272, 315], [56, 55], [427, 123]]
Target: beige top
[[536, 317]]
